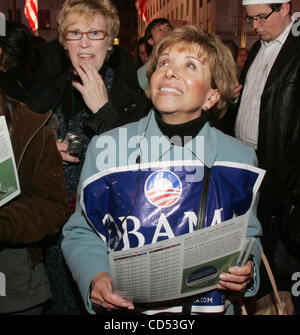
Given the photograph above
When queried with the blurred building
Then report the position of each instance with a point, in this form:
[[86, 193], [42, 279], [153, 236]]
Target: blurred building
[[222, 17], [128, 23], [48, 9]]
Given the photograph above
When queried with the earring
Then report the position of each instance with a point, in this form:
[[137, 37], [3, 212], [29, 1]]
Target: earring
[[204, 108]]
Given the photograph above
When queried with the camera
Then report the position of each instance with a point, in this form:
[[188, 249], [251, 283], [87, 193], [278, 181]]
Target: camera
[[75, 144]]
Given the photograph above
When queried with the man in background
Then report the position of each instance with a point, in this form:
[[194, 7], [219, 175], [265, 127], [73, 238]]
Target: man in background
[[267, 117], [156, 30]]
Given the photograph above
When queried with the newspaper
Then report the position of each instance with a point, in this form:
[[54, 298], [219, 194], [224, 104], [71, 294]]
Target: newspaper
[[180, 267], [9, 181]]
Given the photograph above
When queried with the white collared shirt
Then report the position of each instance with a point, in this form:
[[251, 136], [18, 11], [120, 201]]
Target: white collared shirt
[[246, 126]]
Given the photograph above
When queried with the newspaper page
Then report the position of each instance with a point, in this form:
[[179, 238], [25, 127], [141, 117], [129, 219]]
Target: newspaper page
[[180, 267], [9, 181]]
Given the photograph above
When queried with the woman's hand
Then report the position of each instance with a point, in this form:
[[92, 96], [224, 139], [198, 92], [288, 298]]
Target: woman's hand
[[237, 278], [102, 294], [62, 148], [92, 89], [237, 89]]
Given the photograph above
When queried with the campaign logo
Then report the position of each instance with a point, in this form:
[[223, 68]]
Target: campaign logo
[[163, 188]]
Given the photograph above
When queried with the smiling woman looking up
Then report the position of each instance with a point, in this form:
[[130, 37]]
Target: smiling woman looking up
[[191, 80], [205, 77]]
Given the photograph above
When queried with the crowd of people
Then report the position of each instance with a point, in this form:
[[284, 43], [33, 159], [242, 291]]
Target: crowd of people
[[68, 96]]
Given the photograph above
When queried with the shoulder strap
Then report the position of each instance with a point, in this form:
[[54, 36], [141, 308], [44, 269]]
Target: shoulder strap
[[203, 199], [280, 306]]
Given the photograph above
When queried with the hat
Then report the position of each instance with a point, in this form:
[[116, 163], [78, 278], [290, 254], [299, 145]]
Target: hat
[[261, 2]]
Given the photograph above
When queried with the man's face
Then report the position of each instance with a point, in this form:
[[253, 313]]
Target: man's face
[[159, 32], [269, 29]]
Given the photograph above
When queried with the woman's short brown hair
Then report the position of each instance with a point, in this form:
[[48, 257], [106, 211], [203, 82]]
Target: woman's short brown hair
[[88, 8], [212, 49]]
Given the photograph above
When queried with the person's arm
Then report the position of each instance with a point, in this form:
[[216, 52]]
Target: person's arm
[[108, 117], [105, 119], [42, 209]]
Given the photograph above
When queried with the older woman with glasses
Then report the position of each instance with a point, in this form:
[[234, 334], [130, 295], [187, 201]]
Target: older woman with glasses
[[153, 194], [87, 30], [88, 98]]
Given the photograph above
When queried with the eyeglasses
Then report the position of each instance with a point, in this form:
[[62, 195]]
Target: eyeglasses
[[73, 35], [259, 18]]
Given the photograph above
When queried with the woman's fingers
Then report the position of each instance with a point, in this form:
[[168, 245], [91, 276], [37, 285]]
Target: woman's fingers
[[237, 89], [63, 149], [92, 89], [237, 278], [102, 294]]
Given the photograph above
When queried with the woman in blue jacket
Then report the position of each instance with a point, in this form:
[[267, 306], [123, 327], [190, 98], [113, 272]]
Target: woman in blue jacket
[[191, 80]]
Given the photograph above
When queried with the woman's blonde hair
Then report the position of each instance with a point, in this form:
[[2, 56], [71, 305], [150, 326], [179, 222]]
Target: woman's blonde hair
[[72, 9], [211, 49]]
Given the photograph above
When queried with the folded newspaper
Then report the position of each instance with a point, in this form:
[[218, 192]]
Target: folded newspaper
[[9, 181], [182, 266]]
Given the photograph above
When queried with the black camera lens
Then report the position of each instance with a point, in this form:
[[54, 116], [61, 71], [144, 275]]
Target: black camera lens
[[75, 144]]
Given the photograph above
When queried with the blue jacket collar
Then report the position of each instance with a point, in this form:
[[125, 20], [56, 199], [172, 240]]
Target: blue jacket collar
[[148, 130]]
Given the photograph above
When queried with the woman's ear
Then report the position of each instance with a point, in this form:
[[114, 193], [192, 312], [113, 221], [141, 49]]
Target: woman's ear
[[212, 99]]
